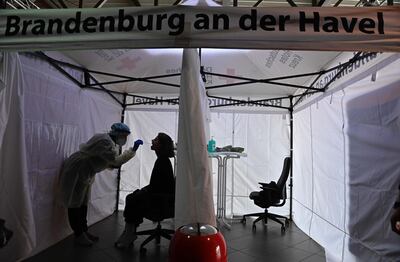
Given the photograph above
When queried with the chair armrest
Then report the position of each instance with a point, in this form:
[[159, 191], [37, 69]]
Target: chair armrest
[[270, 188]]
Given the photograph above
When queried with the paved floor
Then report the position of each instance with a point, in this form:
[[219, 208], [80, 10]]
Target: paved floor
[[267, 243]]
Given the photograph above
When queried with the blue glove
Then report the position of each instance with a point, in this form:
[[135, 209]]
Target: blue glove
[[137, 144]]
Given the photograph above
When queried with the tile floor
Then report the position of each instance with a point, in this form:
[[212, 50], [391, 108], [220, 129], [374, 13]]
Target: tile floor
[[267, 243]]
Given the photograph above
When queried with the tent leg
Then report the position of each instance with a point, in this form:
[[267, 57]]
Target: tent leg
[[291, 158], [120, 151]]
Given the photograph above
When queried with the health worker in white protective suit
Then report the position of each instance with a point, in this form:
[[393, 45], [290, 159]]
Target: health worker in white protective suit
[[78, 172]]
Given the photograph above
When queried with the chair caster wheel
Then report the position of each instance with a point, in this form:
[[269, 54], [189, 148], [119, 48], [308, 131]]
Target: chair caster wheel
[[283, 229], [254, 228], [143, 251], [243, 221]]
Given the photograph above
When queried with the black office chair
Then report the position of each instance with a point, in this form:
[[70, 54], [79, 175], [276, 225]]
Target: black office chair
[[272, 194], [162, 207]]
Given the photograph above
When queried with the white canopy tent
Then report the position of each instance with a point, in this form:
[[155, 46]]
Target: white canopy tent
[[345, 142]]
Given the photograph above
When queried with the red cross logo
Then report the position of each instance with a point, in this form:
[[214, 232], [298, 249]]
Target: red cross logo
[[229, 72], [128, 63]]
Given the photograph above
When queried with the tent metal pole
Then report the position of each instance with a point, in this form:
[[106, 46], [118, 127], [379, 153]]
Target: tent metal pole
[[58, 67], [261, 81], [87, 76], [120, 151], [265, 79], [101, 89], [340, 68], [108, 92], [291, 159], [133, 80], [351, 61], [82, 69]]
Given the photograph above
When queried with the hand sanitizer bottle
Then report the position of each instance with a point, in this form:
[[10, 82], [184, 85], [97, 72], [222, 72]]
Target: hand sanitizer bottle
[[211, 145]]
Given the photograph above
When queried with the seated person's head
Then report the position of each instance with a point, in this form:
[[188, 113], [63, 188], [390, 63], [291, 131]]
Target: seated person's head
[[163, 145], [119, 133]]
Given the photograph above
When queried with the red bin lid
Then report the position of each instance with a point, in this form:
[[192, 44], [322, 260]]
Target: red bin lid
[[198, 229]]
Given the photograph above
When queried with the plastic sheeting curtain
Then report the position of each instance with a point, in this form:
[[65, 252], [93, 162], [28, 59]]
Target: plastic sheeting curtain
[[43, 119], [15, 202], [194, 200]]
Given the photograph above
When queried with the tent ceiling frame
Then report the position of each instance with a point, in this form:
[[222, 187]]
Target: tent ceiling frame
[[134, 80], [264, 80], [87, 76], [90, 82], [340, 68]]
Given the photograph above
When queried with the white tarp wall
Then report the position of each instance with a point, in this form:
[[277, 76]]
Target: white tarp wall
[[15, 201], [347, 165], [47, 117], [264, 136]]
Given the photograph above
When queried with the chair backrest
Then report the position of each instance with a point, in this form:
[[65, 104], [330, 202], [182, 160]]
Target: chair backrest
[[285, 174]]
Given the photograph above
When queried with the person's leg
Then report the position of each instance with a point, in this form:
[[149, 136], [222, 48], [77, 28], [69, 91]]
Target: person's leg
[[83, 216], [77, 221], [74, 220], [134, 203], [133, 217]]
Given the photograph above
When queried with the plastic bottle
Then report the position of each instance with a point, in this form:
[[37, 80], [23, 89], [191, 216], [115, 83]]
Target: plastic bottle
[[211, 145]]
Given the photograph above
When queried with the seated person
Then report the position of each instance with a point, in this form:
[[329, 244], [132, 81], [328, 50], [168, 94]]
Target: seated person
[[162, 181]]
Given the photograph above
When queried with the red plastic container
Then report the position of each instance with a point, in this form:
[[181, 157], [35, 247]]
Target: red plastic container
[[197, 243]]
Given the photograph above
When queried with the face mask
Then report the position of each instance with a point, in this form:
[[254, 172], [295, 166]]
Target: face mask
[[121, 141]]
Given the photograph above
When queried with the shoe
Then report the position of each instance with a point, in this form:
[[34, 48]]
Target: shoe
[[125, 240], [83, 241], [92, 238], [5, 236]]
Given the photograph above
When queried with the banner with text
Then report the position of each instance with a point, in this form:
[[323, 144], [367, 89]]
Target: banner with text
[[296, 28], [216, 104]]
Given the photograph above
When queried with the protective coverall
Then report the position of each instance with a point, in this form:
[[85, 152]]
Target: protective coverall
[[78, 171]]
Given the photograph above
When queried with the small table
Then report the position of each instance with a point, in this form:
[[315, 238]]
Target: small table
[[222, 158]]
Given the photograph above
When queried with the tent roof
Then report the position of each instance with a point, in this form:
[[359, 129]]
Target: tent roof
[[254, 64], [228, 72]]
